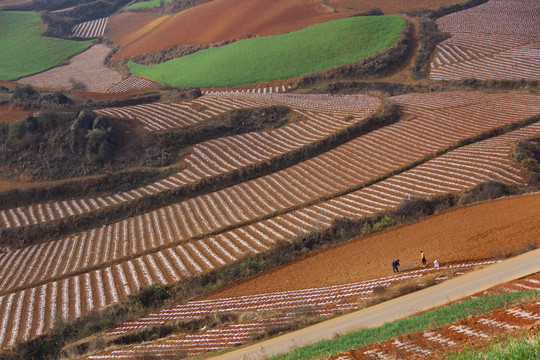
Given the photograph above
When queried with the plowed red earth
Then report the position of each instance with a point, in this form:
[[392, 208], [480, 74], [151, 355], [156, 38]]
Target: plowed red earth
[[220, 20], [390, 6], [480, 231], [9, 114]]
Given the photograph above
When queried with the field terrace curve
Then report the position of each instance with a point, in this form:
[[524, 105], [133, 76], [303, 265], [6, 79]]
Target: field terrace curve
[[105, 265], [355, 163], [473, 331], [285, 305], [90, 29], [324, 116], [496, 40]]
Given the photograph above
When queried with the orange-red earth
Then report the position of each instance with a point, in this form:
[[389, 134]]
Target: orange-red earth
[[217, 21], [484, 230]]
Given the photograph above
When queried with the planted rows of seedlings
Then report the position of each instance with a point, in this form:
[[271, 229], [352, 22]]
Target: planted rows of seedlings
[[90, 29], [176, 261], [496, 40]]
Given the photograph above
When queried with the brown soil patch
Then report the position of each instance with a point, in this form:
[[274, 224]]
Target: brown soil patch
[[206, 24], [9, 114], [389, 6], [479, 231], [127, 26], [86, 68]]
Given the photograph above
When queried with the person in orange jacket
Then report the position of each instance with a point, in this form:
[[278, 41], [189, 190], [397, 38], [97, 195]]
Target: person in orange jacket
[[423, 258]]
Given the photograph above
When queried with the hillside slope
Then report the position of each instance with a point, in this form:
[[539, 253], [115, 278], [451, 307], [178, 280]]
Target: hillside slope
[[206, 23], [477, 231]]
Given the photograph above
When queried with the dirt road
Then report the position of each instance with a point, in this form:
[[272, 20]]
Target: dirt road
[[402, 307]]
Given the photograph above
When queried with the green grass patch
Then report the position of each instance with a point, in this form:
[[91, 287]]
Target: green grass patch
[[432, 319], [301, 52], [513, 349], [25, 51], [145, 4]]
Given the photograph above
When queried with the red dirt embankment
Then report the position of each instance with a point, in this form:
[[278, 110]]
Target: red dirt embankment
[[9, 114], [479, 231], [217, 21]]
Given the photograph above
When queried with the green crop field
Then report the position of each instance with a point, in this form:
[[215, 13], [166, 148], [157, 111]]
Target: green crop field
[[25, 51], [145, 4], [301, 52]]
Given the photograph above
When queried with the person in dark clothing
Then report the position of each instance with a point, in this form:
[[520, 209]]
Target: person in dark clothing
[[423, 258], [395, 265]]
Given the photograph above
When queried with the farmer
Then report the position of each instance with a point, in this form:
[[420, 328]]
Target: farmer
[[395, 265], [423, 258]]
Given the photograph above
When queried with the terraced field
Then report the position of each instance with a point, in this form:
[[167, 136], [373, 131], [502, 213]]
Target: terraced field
[[248, 61], [432, 130], [325, 116], [105, 265], [25, 51], [496, 40], [324, 302], [132, 83], [85, 71], [435, 343], [90, 29]]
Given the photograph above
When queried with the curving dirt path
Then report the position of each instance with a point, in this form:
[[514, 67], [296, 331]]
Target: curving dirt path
[[220, 20], [479, 231]]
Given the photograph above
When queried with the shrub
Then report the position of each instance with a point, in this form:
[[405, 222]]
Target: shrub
[[17, 129], [150, 295], [94, 327], [77, 85], [385, 223]]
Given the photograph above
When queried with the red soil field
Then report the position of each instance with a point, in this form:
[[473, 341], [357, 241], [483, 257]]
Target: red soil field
[[206, 24], [478, 231], [389, 6], [9, 114]]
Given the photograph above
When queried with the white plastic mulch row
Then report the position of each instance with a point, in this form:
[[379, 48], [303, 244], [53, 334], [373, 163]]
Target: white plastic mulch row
[[91, 29]]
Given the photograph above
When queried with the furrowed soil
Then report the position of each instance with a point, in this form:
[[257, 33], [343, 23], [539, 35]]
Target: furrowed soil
[[389, 6], [206, 24], [487, 230]]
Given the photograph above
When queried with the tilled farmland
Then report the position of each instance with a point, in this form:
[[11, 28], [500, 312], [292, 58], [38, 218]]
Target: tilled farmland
[[496, 40], [473, 331], [105, 265], [324, 302], [432, 129], [91, 29]]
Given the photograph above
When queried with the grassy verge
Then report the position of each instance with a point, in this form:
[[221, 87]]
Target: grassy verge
[[25, 51], [513, 349], [248, 61], [428, 320], [146, 4]]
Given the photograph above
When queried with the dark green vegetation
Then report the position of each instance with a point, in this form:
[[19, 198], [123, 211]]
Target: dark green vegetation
[[381, 64], [25, 51], [146, 4], [429, 320], [248, 61], [166, 6]]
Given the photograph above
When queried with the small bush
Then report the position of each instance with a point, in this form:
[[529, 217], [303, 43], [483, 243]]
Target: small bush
[[17, 129], [150, 295], [94, 327], [385, 223], [77, 85]]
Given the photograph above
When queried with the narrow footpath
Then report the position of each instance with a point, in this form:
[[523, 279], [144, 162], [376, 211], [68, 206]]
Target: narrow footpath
[[402, 307]]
